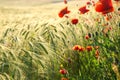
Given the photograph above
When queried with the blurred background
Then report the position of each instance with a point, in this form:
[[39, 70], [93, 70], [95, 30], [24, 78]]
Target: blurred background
[[28, 2]]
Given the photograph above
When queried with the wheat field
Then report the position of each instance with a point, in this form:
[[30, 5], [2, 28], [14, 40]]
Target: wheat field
[[36, 44]]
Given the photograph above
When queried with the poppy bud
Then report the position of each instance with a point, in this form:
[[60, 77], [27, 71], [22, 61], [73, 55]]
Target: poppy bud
[[88, 3], [89, 48], [74, 21], [63, 71]]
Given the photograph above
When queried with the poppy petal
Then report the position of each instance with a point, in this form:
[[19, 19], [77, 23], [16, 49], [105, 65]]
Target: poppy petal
[[63, 12], [104, 6], [83, 10]]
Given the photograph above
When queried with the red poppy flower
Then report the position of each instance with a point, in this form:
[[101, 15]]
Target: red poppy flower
[[76, 47], [63, 12], [104, 6], [89, 48], [74, 21], [88, 3], [63, 71], [83, 10], [64, 78], [65, 1], [81, 49], [87, 37]]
